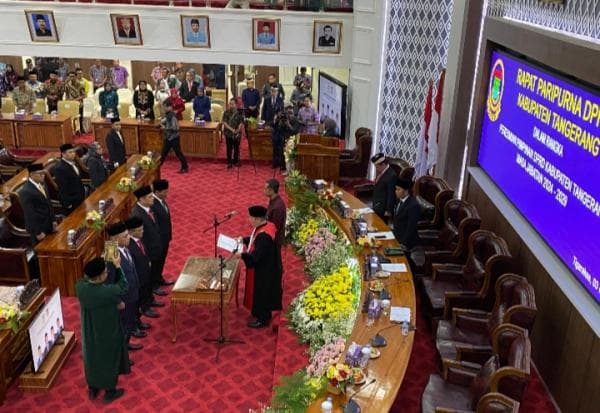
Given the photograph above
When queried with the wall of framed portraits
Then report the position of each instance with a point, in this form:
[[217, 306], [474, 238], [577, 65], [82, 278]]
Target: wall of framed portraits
[[179, 34]]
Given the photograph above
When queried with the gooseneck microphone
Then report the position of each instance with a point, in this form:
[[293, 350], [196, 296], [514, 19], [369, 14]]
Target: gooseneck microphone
[[352, 406]]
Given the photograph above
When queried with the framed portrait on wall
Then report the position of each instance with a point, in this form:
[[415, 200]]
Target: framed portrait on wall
[[327, 37], [126, 29], [42, 27], [195, 31], [265, 34]]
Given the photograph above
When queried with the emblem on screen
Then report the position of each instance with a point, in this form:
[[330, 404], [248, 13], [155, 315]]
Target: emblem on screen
[[496, 88]]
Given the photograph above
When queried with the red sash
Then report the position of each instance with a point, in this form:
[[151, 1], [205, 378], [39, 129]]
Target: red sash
[[270, 229]]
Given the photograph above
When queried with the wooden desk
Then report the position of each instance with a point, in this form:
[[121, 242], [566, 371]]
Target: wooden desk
[[151, 136], [201, 141], [259, 142], [129, 130], [318, 157], [204, 270], [16, 180], [390, 367], [60, 265], [15, 351], [7, 131], [48, 133]]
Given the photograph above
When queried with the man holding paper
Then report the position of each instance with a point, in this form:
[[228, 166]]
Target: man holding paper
[[263, 290]]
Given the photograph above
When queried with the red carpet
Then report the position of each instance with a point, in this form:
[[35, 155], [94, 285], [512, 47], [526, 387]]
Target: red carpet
[[182, 376]]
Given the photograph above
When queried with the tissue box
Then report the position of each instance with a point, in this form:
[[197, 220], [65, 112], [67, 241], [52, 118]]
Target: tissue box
[[37, 116], [354, 355]]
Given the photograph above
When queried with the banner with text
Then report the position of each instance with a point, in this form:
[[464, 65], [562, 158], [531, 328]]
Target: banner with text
[[540, 142]]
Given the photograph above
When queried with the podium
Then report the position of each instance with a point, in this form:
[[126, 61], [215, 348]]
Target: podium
[[318, 157]]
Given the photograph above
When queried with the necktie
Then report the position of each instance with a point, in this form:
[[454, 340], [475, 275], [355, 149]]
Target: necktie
[[126, 254], [152, 217], [141, 246], [42, 190], [120, 137]]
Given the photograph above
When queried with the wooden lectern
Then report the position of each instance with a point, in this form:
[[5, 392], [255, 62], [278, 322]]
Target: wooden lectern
[[318, 157]]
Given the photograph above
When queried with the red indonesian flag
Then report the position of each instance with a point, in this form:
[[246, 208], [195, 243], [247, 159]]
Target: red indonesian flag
[[424, 139], [434, 126]]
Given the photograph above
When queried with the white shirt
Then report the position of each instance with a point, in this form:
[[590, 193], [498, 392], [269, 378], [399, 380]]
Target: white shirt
[[144, 208], [401, 202], [161, 202], [126, 253], [40, 187]]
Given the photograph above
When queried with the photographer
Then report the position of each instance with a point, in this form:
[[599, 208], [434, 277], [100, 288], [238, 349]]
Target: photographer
[[285, 124]]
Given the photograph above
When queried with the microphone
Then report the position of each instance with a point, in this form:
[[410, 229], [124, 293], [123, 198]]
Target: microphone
[[352, 406], [230, 214]]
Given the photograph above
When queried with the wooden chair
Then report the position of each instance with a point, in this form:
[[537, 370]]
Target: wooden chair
[[470, 285], [89, 112], [16, 259], [71, 109], [219, 94], [432, 193], [449, 244], [318, 157], [469, 335], [188, 112], [216, 112], [355, 163], [462, 384], [40, 106], [8, 105]]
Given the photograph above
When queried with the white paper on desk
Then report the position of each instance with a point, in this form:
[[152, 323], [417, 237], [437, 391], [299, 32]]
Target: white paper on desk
[[394, 267], [227, 243], [400, 314], [363, 211], [383, 235], [320, 182]]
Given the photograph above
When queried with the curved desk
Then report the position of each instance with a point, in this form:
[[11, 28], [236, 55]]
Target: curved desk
[[388, 370]]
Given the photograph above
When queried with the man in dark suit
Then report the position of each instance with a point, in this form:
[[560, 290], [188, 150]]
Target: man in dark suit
[[384, 197], [151, 237], [116, 144], [406, 215], [118, 233], [135, 226], [271, 110], [67, 174], [271, 106], [189, 87], [126, 30], [39, 214], [163, 218]]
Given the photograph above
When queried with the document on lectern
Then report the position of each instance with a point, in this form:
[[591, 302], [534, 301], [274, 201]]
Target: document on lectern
[[228, 243]]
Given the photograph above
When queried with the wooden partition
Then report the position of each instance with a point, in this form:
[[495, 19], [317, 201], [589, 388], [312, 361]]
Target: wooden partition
[[319, 157]]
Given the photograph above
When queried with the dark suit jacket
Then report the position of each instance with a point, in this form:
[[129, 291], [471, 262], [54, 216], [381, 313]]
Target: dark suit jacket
[[152, 240], [133, 284], [142, 264], [70, 188], [188, 94], [163, 218], [97, 170], [39, 214], [116, 148], [406, 217], [130, 35], [384, 196], [269, 110]]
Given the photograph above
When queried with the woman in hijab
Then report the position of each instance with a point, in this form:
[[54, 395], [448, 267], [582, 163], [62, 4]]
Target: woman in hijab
[[177, 103], [143, 100], [202, 106]]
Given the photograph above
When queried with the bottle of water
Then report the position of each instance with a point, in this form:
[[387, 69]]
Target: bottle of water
[[327, 405], [405, 328]]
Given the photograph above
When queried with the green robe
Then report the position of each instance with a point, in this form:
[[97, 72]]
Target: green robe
[[105, 354]]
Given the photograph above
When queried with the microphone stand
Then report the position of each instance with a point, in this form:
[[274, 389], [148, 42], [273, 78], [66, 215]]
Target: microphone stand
[[221, 340], [215, 225]]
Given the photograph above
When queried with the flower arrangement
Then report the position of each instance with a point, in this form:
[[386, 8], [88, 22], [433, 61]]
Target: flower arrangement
[[11, 317], [126, 184], [329, 260], [296, 392], [329, 296], [146, 163], [307, 230], [251, 122], [339, 376], [365, 242], [290, 152], [325, 357], [94, 220], [318, 243]]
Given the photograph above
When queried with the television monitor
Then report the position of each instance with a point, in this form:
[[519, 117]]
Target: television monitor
[[332, 101], [45, 329], [540, 144]]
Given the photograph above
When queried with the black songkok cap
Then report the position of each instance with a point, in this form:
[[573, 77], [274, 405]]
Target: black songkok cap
[[34, 167], [257, 211], [65, 147], [116, 228], [160, 184], [143, 191], [134, 222], [378, 158], [95, 267], [403, 183], [115, 119]]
